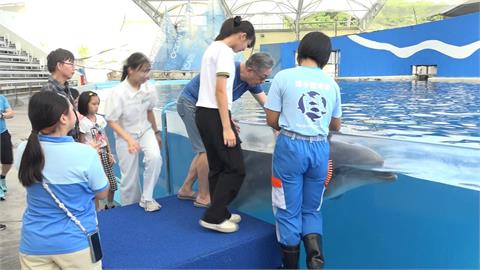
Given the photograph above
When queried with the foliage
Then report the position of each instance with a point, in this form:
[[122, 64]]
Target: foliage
[[395, 13]]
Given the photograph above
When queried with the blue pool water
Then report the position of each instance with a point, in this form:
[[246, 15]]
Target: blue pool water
[[445, 113]]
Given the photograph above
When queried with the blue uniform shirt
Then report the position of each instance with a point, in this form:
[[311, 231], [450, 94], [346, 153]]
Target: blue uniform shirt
[[74, 173], [190, 91], [306, 98], [3, 106]]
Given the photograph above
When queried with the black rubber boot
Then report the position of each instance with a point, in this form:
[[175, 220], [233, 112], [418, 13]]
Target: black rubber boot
[[313, 249], [290, 256]]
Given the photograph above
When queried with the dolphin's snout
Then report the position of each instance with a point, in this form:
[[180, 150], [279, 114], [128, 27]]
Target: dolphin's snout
[[386, 176]]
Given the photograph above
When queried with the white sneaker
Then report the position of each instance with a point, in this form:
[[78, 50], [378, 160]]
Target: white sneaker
[[225, 227], [150, 206], [235, 218]]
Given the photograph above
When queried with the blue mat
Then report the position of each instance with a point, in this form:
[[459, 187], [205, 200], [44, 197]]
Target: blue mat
[[172, 238]]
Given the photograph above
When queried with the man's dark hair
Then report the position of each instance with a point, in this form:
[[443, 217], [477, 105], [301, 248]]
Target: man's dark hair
[[316, 46], [74, 93], [58, 56]]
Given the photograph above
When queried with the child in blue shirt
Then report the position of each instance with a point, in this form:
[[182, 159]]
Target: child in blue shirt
[[6, 158], [73, 173], [304, 105]]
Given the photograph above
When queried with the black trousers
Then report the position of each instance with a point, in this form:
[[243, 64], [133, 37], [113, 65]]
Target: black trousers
[[227, 169]]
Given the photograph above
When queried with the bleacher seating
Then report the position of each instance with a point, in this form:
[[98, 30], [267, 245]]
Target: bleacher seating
[[20, 72]]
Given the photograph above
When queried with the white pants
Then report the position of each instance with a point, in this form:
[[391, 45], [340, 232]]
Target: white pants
[[130, 182]]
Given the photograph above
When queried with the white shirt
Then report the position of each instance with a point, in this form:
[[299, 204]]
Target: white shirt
[[94, 131], [218, 59], [129, 107]]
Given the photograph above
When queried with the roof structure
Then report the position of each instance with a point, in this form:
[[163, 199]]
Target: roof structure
[[264, 14], [469, 6]]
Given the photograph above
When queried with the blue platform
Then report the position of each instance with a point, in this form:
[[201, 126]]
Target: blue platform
[[172, 238]]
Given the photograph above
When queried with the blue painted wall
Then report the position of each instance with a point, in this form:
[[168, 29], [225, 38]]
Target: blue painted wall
[[357, 60]]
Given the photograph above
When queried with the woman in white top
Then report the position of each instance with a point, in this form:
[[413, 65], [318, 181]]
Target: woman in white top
[[221, 141], [129, 112]]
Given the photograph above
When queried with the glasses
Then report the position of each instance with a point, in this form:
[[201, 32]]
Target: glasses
[[260, 76], [68, 63]]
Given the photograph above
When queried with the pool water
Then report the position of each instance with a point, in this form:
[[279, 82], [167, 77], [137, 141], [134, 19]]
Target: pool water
[[445, 113]]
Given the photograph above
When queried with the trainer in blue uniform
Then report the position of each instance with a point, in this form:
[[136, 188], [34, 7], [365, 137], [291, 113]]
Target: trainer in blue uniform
[[73, 173], [303, 104], [248, 77]]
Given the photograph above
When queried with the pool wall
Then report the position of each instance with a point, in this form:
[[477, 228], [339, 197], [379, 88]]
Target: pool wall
[[406, 223], [451, 44]]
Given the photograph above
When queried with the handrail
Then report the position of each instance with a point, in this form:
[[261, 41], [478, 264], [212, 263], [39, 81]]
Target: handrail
[[165, 151]]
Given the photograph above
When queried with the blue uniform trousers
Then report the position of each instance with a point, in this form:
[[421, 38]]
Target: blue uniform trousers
[[300, 169]]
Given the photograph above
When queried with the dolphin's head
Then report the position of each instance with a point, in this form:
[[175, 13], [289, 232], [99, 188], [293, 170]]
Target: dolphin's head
[[345, 179], [353, 155], [354, 165]]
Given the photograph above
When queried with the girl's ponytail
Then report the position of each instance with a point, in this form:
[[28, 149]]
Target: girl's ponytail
[[236, 25], [32, 162], [44, 112]]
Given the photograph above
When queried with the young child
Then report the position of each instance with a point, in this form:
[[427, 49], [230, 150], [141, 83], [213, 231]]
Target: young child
[[218, 133], [303, 104], [92, 131]]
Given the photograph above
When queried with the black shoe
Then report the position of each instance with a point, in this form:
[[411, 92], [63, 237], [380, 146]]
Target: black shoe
[[3, 227], [313, 249], [290, 256]]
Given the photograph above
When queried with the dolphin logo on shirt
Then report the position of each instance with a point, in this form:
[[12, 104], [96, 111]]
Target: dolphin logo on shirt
[[313, 105]]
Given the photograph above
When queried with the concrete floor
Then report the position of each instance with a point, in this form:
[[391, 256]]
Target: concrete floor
[[11, 210]]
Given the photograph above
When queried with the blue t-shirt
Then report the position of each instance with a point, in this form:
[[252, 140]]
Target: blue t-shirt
[[190, 91], [3, 106], [306, 98], [74, 173]]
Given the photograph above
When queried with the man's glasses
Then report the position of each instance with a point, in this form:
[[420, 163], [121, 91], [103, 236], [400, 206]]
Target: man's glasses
[[260, 75], [68, 63]]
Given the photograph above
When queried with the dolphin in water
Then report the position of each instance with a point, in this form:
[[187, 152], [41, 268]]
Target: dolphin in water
[[354, 165]]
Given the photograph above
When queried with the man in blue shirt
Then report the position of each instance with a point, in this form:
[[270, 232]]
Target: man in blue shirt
[[6, 112], [304, 105], [249, 77]]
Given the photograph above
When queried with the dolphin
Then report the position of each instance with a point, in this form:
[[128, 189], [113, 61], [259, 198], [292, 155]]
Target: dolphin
[[354, 165]]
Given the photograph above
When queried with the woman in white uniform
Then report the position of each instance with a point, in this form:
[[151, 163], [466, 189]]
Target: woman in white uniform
[[129, 111]]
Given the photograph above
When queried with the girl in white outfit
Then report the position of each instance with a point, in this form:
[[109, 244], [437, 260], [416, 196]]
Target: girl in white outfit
[[129, 112]]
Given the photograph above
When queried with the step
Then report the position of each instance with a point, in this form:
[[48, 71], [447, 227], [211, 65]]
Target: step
[[172, 238]]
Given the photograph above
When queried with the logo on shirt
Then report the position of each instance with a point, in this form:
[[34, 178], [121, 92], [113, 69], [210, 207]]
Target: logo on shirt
[[313, 105]]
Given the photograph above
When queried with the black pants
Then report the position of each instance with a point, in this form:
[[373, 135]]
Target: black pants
[[6, 156], [227, 169]]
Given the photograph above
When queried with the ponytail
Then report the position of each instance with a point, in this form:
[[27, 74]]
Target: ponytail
[[32, 162], [44, 112], [134, 61], [124, 73], [236, 25]]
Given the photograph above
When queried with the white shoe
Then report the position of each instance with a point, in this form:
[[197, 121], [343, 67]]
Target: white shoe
[[235, 218], [150, 206], [225, 227]]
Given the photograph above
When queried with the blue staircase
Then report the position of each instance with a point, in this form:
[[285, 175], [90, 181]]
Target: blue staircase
[[171, 238]]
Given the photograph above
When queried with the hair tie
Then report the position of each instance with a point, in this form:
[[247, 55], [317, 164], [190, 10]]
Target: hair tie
[[236, 21]]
